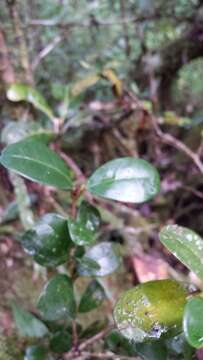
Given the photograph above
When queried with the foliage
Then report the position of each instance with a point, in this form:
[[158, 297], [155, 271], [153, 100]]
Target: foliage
[[97, 97]]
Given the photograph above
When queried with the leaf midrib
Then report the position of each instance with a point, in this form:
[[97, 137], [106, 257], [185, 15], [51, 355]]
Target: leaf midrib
[[41, 163], [109, 181]]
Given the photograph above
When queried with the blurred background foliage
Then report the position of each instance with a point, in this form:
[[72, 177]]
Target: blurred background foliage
[[93, 61]]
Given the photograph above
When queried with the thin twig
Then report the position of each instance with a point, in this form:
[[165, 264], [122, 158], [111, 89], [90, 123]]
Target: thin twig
[[171, 140], [96, 338], [107, 355], [44, 52]]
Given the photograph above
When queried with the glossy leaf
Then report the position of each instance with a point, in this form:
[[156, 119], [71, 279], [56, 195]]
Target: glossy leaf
[[125, 179], [83, 230], [87, 266], [89, 216], [57, 299], [186, 245], [61, 341], [151, 310], [103, 259], [49, 240], [35, 161], [35, 352], [28, 324], [193, 322], [23, 92], [92, 297]]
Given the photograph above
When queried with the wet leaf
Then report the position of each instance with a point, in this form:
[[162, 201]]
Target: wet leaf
[[151, 310], [23, 92], [186, 245], [61, 341], [92, 297], [57, 299], [100, 260], [35, 161], [125, 179], [193, 322], [28, 324], [87, 266], [49, 240], [83, 230], [89, 216], [35, 352]]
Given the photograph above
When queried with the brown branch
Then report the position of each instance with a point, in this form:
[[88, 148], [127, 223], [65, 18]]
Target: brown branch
[[20, 39], [77, 352], [96, 338], [108, 355], [179, 145], [6, 69]]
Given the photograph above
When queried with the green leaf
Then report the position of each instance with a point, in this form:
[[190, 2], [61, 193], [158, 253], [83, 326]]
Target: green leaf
[[61, 341], [100, 260], [83, 230], [23, 92], [92, 297], [49, 240], [35, 161], [89, 216], [94, 328], [153, 351], [57, 299], [126, 179], [186, 245], [118, 344], [28, 324], [193, 322], [179, 347], [87, 266], [35, 352], [151, 311], [16, 131]]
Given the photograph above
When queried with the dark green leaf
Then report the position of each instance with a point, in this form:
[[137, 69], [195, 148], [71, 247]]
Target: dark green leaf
[[94, 328], [153, 351], [35, 161], [105, 255], [179, 346], [126, 179], [35, 352], [92, 297], [118, 344], [89, 216], [57, 299], [61, 341], [24, 92], [193, 322], [28, 324], [49, 241], [186, 245], [83, 230], [87, 266]]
